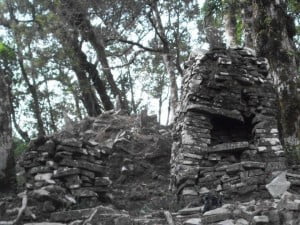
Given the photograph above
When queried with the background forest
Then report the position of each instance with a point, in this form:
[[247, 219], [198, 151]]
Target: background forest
[[84, 57]]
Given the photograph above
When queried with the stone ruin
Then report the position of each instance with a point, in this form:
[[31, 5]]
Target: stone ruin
[[99, 169], [226, 134], [115, 168]]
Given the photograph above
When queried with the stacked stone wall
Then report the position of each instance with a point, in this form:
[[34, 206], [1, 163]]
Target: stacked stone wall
[[226, 133]]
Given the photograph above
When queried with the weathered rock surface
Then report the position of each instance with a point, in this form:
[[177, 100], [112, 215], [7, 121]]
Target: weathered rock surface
[[278, 185]]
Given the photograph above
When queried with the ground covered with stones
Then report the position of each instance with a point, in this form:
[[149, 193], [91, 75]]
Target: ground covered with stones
[[114, 169]]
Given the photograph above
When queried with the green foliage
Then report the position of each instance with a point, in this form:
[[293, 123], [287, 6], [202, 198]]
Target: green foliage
[[6, 53], [19, 146], [212, 12], [239, 30]]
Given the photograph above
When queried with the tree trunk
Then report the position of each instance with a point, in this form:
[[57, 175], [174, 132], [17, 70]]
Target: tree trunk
[[274, 30], [51, 115], [7, 172], [22, 133], [93, 75], [97, 43], [167, 57], [34, 94], [230, 25], [133, 105], [78, 19], [173, 87], [78, 110], [89, 98], [247, 12]]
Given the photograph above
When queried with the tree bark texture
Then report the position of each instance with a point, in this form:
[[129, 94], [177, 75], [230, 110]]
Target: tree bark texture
[[93, 75], [273, 31], [7, 172], [88, 96]]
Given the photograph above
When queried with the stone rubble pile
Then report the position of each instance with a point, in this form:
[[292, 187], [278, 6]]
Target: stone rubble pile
[[99, 161], [281, 211], [225, 134], [67, 170]]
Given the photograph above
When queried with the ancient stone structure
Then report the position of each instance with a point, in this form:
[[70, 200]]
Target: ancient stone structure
[[101, 162], [226, 134]]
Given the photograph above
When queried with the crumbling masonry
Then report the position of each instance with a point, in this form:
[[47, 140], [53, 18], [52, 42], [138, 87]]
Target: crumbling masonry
[[226, 133]]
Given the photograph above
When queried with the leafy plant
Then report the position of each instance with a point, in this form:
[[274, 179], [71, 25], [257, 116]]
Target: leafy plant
[[6, 52], [19, 146]]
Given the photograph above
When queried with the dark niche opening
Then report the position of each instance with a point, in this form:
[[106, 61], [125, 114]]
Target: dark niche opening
[[226, 130]]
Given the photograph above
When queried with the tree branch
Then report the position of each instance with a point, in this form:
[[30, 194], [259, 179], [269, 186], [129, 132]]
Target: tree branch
[[20, 212], [138, 45]]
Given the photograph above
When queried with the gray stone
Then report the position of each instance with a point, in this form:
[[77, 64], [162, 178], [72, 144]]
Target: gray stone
[[65, 171], [193, 221], [66, 216], [109, 216], [72, 149], [216, 215], [278, 186], [84, 165], [251, 164], [260, 220], [233, 114], [102, 181], [83, 192], [72, 142], [44, 177], [234, 146], [226, 222], [39, 169], [45, 223], [242, 222], [190, 211]]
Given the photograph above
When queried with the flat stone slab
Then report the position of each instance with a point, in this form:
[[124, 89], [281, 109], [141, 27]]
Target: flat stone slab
[[278, 185], [73, 142], [193, 221], [233, 146], [84, 165], [252, 164], [72, 149], [62, 172], [216, 215], [226, 222], [190, 211], [71, 215], [232, 114], [45, 223], [82, 192]]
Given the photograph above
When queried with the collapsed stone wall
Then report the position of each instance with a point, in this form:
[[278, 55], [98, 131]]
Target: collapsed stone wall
[[107, 160], [226, 134]]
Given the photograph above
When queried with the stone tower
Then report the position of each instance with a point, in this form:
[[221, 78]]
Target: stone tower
[[226, 132]]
